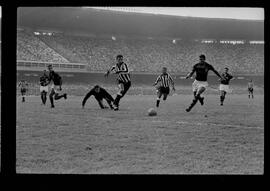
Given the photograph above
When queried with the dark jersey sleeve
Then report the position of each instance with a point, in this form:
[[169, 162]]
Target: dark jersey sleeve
[[105, 94], [210, 67], [91, 92]]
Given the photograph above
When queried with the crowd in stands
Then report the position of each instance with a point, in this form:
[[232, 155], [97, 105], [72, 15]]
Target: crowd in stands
[[142, 55], [30, 48]]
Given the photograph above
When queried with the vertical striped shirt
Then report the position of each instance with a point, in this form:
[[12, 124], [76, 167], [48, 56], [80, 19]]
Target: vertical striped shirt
[[22, 84], [122, 71], [250, 84], [165, 80]]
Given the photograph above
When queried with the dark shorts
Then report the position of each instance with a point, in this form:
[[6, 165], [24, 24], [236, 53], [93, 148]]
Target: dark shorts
[[126, 86], [250, 89], [23, 90], [164, 90]]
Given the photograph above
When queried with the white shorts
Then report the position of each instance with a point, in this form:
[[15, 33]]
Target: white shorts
[[198, 84], [44, 88], [225, 88]]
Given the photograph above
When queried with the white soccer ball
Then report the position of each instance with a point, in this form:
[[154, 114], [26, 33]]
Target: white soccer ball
[[152, 112]]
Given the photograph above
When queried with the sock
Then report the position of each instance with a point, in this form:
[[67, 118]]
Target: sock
[[56, 97], [42, 97], [117, 99], [51, 99], [45, 98], [193, 103], [158, 101]]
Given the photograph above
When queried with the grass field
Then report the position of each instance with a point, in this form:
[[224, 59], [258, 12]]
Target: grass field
[[69, 139]]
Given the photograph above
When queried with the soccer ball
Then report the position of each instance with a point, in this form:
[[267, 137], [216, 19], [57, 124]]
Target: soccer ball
[[152, 112]]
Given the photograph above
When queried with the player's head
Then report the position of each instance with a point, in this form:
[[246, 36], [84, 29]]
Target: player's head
[[119, 58], [97, 88], [250, 80], [164, 70], [202, 57], [44, 72], [226, 69], [50, 68]]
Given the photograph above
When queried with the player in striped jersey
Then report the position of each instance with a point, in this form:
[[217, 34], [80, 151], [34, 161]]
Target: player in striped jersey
[[250, 89], [23, 85], [165, 81], [123, 79]]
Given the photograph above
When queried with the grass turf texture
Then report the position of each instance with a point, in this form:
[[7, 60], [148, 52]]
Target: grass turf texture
[[69, 139]]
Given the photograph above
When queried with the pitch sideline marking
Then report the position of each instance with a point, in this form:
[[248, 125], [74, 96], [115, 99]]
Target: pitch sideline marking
[[215, 124]]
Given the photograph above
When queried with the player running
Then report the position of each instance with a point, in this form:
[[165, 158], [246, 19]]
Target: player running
[[250, 89], [56, 87], [44, 82], [123, 79], [200, 83], [100, 94], [224, 84], [23, 85], [164, 89]]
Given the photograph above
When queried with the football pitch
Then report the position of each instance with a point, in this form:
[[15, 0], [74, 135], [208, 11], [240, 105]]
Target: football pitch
[[211, 139]]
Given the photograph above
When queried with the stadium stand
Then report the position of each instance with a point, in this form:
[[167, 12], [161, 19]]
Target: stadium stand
[[30, 48], [142, 54]]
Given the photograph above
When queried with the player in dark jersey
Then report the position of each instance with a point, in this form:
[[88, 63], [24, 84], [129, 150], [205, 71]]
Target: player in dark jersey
[[100, 94], [200, 83], [44, 82], [56, 87], [123, 79], [23, 85], [250, 89], [224, 84], [165, 81]]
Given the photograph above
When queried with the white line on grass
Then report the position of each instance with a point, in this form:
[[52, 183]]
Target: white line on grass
[[215, 124]]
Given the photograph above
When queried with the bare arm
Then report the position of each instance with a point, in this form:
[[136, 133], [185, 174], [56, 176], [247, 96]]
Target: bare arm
[[191, 73], [157, 80], [109, 71]]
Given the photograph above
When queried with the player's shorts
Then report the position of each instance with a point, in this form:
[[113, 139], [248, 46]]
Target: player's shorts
[[55, 88], [223, 87], [23, 90], [250, 89], [198, 84], [124, 87], [163, 90], [44, 88]]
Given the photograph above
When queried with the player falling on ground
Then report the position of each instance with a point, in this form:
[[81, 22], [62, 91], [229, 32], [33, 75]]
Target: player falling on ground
[[23, 85], [44, 82], [224, 84], [123, 79], [200, 83], [56, 87], [250, 89], [100, 94], [165, 81]]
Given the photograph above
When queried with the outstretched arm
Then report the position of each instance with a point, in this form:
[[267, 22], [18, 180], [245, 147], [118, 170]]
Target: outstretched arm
[[157, 80], [191, 73], [109, 71], [86, 98], [216, 72]]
